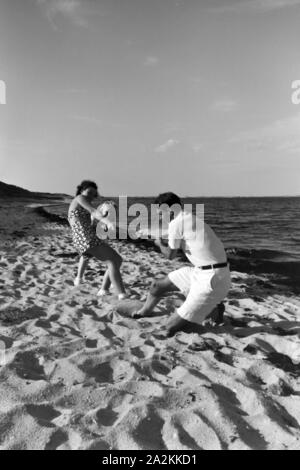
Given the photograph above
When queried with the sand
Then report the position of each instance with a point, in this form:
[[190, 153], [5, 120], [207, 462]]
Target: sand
[[77, 372]]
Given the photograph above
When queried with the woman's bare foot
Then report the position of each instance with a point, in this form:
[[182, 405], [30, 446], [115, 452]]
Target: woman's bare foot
[[77, 281], [102, 292], [122, 296]]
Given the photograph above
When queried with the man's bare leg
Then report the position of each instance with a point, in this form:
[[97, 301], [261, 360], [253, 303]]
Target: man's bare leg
[[158, 289], [175, 324], [217, 315]]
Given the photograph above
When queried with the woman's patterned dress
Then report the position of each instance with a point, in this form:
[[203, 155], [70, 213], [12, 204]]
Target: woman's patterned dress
[[83, 232]]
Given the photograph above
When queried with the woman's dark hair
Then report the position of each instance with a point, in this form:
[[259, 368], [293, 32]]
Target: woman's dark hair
[[168, 198], [84, 185]]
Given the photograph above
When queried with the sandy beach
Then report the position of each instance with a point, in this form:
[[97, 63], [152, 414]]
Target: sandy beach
[[76, 373]]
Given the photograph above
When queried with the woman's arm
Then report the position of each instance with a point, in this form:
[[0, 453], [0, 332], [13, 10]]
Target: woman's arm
[[82, 200]]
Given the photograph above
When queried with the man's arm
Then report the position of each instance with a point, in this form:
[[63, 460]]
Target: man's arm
[[168, 252]]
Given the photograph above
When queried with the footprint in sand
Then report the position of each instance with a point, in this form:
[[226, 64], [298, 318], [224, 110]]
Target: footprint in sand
[[99, 445], [283, 389], [280, 415], [161, 367], [14, 315], [283, 362], [102, 373], [128, 307], [106, 416], [223, 357], [155, 367], [184, 437], [58, 438], [91, 343], [5, 342], [143, 352], [148, 433], [204, 344], [27, 366], [250, 349], [44, 414]]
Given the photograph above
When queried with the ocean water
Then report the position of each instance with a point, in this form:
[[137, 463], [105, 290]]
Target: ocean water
[[262, 235], [268, 228], [263, 228]]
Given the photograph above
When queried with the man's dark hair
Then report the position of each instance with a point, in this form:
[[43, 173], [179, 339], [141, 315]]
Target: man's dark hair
[[168, 198]]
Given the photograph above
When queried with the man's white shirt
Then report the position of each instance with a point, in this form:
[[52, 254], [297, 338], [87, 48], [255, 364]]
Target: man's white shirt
[[196, 239]]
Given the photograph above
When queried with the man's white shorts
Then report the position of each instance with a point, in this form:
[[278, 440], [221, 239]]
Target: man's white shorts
[[203, 290]]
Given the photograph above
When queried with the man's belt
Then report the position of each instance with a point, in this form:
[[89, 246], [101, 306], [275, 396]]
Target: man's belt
[[214, 266]]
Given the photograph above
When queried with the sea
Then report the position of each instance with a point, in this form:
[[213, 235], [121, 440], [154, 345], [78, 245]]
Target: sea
[[262, 233]]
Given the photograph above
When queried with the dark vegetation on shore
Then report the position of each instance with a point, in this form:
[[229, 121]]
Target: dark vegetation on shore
[[12, 191]]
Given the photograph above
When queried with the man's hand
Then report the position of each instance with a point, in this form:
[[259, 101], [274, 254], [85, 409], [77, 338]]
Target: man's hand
[[165, 249], [158, 242]]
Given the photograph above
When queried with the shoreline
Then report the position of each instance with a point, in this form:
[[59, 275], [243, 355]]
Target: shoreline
[[285, 273]]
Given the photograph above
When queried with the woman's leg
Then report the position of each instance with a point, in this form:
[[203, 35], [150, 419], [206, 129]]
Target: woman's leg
[[113, 260], [105, 284], [83, 262], [106, 281]]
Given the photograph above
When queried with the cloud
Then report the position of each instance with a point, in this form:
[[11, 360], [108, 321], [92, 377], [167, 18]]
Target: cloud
[[69, 9], [151, 61], [282, 136], [255, 6], [197, 148], [224, 105], [171, 143], [73, 91], [184, 145], [87, 119], [197, 80]]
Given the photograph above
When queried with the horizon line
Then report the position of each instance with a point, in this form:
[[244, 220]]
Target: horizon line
[[153, 196]]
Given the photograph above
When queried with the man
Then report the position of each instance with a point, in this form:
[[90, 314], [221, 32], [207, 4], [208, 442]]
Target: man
[[205, 283]]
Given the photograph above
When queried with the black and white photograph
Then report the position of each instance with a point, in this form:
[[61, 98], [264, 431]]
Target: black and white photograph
[[149, 227]]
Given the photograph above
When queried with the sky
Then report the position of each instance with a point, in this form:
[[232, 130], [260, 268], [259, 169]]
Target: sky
[[148, 96]]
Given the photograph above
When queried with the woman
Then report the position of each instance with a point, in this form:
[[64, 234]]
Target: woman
[[86, 242]]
